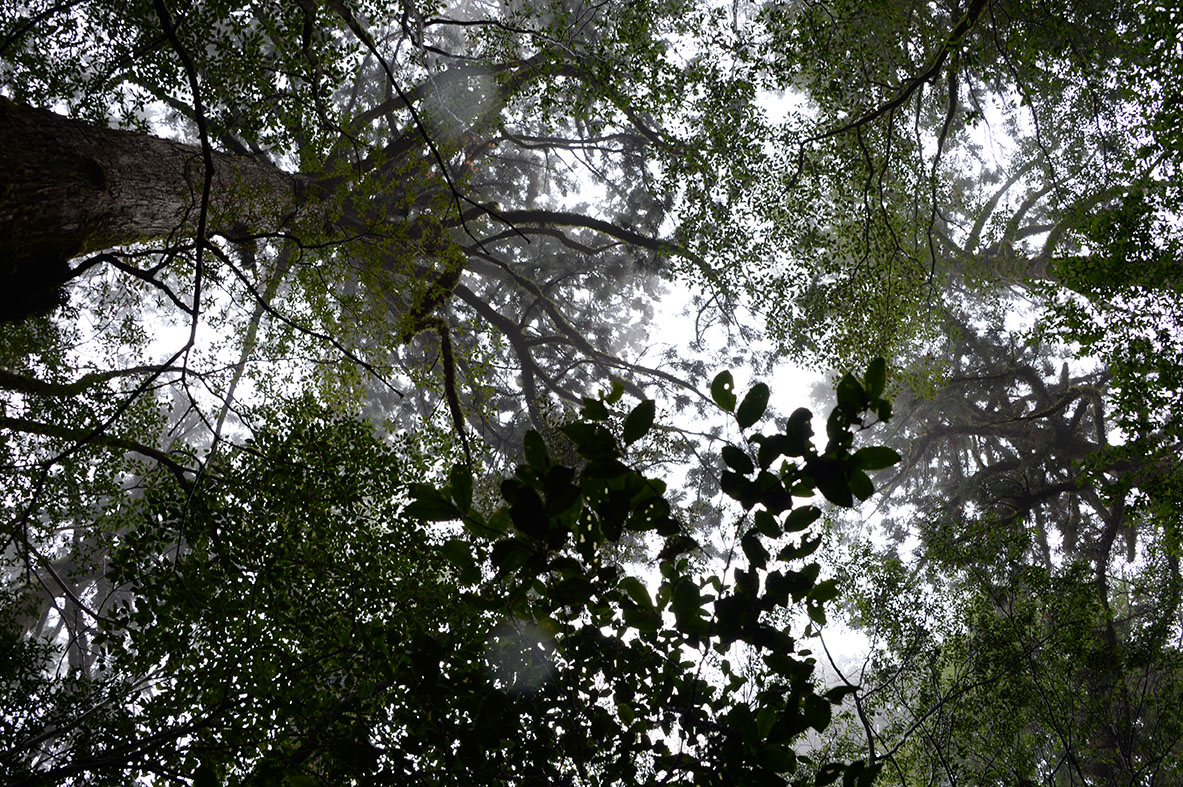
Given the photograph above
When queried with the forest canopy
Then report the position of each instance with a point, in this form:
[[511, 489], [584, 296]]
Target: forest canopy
[[362, 414]]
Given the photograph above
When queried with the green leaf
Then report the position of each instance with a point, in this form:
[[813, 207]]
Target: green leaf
[[831, 481], [817, 712], [875, 378], [458, 553], [509, 554], [829, 773], [753, 406], [432, 508], [615, 392], [638, 421], [797, 551], [825, 590], [765, 524], [534, 448], [875, 457], [206, 776], [528, 514], [797, 432], [859, 774], [461, 478], [754, 550], [592, 441], [686, 602], [723, 391], [772, 447], [594, 410], [636, 590], [778, 759]]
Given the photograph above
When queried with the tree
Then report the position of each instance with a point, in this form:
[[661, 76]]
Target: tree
[[293, 621], [364, 206], [367, 195], [1053, 542], [444, 217]]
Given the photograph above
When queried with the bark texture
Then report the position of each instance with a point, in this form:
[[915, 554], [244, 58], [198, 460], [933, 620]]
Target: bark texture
[[69, 188]]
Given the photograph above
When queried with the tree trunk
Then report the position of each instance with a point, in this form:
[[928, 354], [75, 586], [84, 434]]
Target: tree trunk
[[69, 188]]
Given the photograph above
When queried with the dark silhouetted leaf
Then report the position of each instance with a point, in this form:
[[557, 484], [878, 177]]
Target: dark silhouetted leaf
[[875, 378], [801, 518], [753, 406], [535, 450], [737, 460], [875, 457], [459, 554], [723, 391], [637, 424]]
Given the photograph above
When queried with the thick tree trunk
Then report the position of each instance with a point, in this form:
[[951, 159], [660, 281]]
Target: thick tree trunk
[[69, 188]]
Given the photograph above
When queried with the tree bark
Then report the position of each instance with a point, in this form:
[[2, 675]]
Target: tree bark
[[69, 188]]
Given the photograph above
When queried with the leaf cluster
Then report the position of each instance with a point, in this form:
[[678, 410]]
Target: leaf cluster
[[620, 659]]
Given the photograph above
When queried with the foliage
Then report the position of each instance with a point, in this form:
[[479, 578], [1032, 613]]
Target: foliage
[[455, 219], [1051, 548], [290, 619]]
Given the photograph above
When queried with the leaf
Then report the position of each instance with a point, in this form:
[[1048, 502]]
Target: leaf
[[615, 392], [686, 602], [829, 773], [778, 759], [528, 514], [534, 448], [795, 552], [638, 421], [850, 394], [772, 447], [875, 457], [677, 544], [636, 590], [817, 712], [592, 441], [754, 550], [765, 524], [430, 505], [461, 478], [594, 410], [859, 774], [797, 432], [839, 693], [830, 478], [753, 406], [801, 518], [509, 554], [737, 459], [206, 776], [825, 590], [723, 391], [875, 378], [779, 585], [458, 553], [860, 484]]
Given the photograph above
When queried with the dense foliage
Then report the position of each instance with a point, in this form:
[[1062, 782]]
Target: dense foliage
[[269, 268], [292, 620]]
